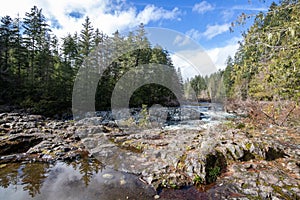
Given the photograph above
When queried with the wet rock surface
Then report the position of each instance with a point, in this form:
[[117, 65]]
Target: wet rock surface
[[32, 137], [223, 162]]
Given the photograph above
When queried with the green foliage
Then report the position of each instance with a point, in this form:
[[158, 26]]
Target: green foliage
[[197, 180], [267, 64], [138, 52], [38, 73], [216, 87], [213, 173], [144, 116], [198, 84], [248, 146], [228, 82], [214, 166], [240, 126], [207, 88], [86, 41]]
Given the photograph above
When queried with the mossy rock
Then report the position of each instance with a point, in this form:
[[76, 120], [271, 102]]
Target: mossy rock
[[240, 126], [215, 165], [248, 146]]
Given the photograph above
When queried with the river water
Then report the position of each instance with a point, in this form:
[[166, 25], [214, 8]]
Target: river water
[[85, 179]]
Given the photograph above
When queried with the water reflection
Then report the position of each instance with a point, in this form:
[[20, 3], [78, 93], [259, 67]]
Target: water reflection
[[85, 179], [32, 177], [29, 177]]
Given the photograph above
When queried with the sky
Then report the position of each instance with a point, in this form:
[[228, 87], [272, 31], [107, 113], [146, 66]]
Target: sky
[[206, 22]]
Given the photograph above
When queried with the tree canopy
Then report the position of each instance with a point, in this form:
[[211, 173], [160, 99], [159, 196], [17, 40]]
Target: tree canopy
[[38, 70], [267, 64]]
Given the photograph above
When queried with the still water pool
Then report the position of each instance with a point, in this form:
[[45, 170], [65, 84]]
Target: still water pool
[[77, 180]]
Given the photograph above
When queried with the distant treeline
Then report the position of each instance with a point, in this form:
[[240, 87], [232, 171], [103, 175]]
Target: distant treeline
[[267, 63], [37, 69]]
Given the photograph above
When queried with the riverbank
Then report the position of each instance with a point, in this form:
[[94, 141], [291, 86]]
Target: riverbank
[[230, 160]]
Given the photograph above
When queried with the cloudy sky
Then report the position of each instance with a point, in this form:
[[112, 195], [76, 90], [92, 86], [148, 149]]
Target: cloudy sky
[[206, 22]]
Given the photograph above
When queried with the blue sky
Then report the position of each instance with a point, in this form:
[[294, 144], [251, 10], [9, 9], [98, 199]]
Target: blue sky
[[207, 22]]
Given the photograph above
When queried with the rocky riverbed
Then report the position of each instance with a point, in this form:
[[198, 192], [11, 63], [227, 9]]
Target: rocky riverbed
[[225, 161]]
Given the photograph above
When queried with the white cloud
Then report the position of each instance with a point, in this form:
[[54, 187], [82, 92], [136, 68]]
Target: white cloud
[[107, 15], [181, 41], [202, 7], [187, 70], [193, 62], [227, 15], [194, 34], [210, 32], [214, 30], [152, 13], [200, 62], [14, 7], [248, 7], [219, 55]]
